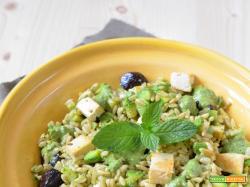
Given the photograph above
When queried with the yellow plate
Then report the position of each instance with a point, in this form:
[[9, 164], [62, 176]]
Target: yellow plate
[[40, 97]]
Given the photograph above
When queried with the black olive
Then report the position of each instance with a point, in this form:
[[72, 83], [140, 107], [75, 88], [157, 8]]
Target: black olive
[[55, 159], [51, 178], [132, 79]]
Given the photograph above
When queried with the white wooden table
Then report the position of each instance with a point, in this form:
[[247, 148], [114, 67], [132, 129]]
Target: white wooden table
[[33, 31]]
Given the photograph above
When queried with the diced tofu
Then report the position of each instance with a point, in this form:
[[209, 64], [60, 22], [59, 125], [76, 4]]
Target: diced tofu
[[230, 162], [161, 168], [79, 146], [181, 81], [90, 108]]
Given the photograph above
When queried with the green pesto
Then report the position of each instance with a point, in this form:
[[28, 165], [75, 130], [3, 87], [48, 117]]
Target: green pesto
[[192, 169], [132, 176], [48, 151], [114, 162], [237, 144], [179, 181], [130, 108], [103, 94], [205, 97], [187, 103]]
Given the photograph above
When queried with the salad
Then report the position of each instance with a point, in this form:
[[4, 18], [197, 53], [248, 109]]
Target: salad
[[147, 134]]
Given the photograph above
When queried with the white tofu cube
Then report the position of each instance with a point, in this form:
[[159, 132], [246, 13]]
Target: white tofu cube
[[79, 146], [90, 108], [230, 162], [181, 81], [161, 168]]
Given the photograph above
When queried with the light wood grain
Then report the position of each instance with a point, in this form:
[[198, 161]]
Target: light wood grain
[[37, 30]]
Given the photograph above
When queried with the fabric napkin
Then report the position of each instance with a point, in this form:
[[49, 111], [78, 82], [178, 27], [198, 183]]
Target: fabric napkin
[[113, 29]]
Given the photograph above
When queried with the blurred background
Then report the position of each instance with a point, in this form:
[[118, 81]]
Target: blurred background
[[34, 31]]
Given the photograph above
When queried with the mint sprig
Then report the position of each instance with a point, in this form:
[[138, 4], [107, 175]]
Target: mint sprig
[[126, 137], [118, 137], [152, 115]]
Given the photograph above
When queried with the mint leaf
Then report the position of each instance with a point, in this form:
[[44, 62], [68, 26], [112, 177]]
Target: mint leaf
[[151, 115], [175, 130], [119, 137], [149, 140]]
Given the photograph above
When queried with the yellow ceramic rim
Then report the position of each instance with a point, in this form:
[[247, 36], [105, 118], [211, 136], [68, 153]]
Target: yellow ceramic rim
[[143, 40]]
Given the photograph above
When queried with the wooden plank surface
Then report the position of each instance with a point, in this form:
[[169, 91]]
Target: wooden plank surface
[[34, 31]]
